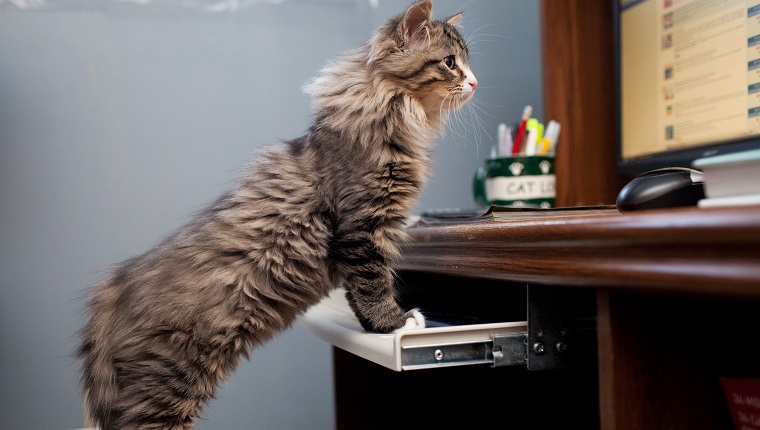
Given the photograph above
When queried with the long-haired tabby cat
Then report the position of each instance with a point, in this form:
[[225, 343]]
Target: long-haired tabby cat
[[317, 212]]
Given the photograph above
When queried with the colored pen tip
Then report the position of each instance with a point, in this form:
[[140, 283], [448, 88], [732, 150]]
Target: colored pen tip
[[527, 112]]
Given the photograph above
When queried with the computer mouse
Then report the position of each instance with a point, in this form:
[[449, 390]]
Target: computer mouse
[[662, 188]]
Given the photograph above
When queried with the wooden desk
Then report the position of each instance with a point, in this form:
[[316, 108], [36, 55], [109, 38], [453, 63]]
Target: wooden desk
[[677, 306]]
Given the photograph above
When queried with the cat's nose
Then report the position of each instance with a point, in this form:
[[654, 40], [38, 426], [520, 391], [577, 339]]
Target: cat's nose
[[473, 83]]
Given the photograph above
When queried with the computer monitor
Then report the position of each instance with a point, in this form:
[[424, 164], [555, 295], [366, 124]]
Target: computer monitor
[[688, 80]]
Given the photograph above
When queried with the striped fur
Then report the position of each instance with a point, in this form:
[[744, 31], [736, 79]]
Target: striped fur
[[326, 209]]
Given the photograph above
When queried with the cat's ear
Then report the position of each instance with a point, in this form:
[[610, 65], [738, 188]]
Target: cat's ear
[[454, 20], [414, 25]]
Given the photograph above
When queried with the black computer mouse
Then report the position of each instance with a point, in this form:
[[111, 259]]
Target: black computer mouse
[[662, 188]]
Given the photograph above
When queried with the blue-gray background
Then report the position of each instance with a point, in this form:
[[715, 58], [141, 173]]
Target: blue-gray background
[[120, 119]]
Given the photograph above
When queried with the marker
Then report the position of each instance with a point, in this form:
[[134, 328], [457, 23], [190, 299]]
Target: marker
[[546, 142], [534, 135], [521, 130], [552, 133], [544, 146]]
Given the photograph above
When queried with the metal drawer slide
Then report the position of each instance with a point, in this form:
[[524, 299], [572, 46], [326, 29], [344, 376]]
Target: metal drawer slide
[[502, 350]]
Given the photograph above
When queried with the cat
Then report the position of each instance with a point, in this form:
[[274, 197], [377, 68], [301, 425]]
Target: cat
[[323, 210]]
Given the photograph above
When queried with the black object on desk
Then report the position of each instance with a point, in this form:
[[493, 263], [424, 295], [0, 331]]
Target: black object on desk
[[662, 188]]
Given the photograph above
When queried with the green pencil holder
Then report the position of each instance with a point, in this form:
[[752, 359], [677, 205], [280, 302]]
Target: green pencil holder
[[524, 181]]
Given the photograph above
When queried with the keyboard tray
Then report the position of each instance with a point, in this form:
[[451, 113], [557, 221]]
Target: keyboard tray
[[497, 344]]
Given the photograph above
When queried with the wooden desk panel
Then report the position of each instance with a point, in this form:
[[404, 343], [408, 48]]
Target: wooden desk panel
[[692, 251]]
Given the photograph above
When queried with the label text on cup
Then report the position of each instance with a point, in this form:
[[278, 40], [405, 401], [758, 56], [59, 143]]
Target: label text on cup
[[520, 187]]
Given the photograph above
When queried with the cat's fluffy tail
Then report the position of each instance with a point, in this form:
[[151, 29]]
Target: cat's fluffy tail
[[99, 391], [98, 378]]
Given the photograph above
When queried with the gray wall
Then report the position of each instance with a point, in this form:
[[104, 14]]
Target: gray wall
[[120, 119]]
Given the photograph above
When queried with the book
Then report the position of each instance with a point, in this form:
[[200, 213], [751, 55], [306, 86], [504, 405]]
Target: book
[[735, 175], [739, 200], [743, 399], [494, 212]]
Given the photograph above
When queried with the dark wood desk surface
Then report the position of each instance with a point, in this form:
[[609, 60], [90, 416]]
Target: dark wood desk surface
[[677, 297], [703, 251]]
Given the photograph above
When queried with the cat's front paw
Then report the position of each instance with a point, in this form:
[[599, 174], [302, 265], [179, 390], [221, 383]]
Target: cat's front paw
[[414, 320]]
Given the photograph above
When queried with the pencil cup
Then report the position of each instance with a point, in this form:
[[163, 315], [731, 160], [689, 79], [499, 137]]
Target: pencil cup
[[525, 181]]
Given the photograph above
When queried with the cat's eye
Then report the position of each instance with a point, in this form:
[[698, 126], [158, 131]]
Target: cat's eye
[[450, 62]]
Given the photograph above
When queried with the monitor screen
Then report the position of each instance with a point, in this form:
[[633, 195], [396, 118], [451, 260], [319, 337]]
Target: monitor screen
[[688, 80]]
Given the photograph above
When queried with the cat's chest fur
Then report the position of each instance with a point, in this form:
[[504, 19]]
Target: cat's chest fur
[[386, 178]]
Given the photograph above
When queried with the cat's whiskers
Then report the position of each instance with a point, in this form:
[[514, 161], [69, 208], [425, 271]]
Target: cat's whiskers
[[475, 36], [474, 104], [466, 123], [459, 126], [481, 124], [445, 108], [453, 103]]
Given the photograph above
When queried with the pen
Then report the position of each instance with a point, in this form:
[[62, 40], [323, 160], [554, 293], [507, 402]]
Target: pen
[[530, 143], [505, 140], [521, 130], [502, 136], [508, 143]]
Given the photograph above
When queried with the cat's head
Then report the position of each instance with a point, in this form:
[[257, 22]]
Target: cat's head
[[428, 58]]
